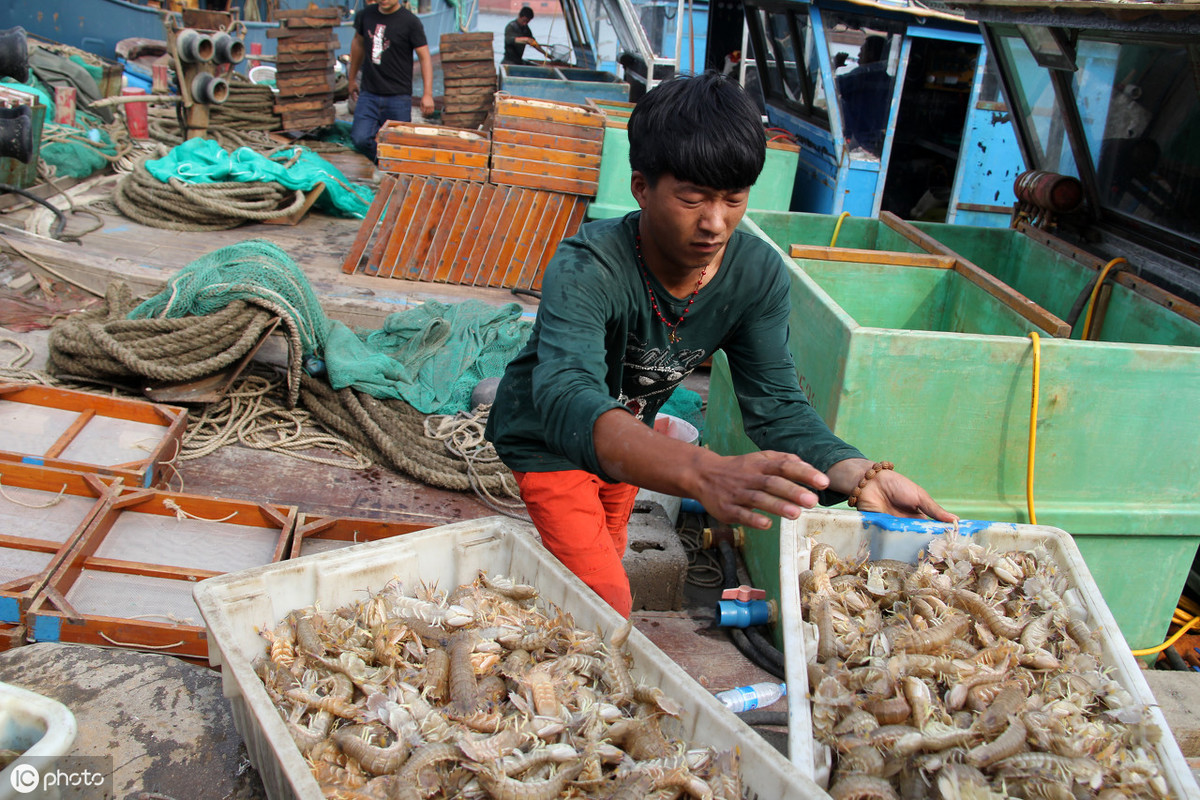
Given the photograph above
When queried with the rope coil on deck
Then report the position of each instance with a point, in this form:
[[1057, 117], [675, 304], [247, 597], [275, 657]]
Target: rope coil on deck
[[393, 433], [200, 207]]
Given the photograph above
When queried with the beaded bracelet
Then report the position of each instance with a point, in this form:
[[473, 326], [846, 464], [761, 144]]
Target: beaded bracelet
[[876, 468]]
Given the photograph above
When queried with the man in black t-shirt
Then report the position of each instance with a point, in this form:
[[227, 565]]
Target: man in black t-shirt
[[385, 38], [516, 35]]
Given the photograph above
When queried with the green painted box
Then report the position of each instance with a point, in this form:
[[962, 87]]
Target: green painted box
[[913, 367]]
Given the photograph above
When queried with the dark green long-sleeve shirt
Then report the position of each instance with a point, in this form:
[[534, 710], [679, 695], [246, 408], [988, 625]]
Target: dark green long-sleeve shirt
[[597, 344]]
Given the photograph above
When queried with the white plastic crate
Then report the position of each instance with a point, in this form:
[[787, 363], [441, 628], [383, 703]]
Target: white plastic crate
[[235, 605], [37, 726], [903, 540]]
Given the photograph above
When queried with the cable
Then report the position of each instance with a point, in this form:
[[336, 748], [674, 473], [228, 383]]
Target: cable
[[753, 646], [1033, 406], [838, 228], [1087, 320], [1174, 638]]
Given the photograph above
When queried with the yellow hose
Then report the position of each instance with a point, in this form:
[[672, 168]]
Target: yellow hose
[[1033, 407], [1174, 638], [837, 228], [1087, 320]]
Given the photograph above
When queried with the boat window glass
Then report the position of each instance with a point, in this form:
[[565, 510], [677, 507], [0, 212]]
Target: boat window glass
[[1139, 102], [1036, 103], [786, 53], [865, 51]]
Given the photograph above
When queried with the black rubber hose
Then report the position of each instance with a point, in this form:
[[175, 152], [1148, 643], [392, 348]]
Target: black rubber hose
[[761, 717], [750, 642], [1081, 300], [1175, 660], [60, 222], [531, 292]]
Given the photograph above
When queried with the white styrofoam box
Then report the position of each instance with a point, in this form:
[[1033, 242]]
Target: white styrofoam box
[[904, 540], [236, 605], [37, 726]]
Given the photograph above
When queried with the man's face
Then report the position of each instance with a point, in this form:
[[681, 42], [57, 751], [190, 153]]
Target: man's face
[[685, 224], [388, 6], [524, 20]]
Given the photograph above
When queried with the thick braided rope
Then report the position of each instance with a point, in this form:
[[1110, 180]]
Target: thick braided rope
[[395, 432], [101, 343]]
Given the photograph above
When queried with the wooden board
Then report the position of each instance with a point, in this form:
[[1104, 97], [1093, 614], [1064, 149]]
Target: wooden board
[[508, 106], [359, 246], [849, 254], [439, 136], [546, 141], [143, 551]]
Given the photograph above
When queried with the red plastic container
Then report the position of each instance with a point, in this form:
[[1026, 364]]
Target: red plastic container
[[135, 115]]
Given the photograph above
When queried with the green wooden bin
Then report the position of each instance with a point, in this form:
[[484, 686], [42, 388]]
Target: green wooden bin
[[935, 373]]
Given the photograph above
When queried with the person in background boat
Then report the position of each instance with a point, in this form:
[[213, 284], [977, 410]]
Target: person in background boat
[[866, 93], [629, 308], [386, 36], [516, 35]]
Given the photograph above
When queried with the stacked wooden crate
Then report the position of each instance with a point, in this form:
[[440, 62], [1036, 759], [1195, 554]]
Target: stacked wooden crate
[[435, 218], [304, 66], [541, 144], [469, 76]]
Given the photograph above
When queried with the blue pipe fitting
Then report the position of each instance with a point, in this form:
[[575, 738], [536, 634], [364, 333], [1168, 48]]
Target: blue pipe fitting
[[742, 613]]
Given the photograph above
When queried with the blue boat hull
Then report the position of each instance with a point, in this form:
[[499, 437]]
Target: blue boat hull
[[97, 25]]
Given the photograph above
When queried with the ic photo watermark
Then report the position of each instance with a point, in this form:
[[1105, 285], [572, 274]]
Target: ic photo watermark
[[73, 777]]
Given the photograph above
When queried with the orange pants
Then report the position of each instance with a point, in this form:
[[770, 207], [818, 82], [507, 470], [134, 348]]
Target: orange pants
[[584, 522]]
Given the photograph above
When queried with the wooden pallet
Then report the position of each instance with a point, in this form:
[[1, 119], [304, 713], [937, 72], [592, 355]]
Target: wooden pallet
[[128, 581], [468, 233], [86, 432], [43, 514], [469, 78], [319, 534]]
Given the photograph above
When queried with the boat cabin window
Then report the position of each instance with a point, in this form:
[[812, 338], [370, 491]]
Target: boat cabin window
[[785, 50], [866, 54], [1037, 105], [1138, 102]]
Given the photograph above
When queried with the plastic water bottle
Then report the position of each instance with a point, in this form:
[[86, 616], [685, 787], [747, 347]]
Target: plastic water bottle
[[748, 698]]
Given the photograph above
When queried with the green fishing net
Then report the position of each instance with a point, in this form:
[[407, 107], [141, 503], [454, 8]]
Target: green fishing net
[[431, 356], [202, 161]]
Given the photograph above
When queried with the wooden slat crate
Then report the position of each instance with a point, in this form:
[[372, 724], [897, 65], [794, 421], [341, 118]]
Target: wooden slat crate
[[304, 67], [469, 78], [86, 432], [128, 580], [11, 636], [320, 534], [433, 150], [541, 144], [463, 232], [43, 513]]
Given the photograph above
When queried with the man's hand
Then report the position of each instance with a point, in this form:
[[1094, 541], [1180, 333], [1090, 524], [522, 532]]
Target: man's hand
[[733, 488], [889, 492], [352, 88], [427, 107]]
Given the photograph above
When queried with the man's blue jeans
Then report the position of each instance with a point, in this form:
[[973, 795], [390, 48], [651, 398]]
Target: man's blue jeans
[[371, 111]]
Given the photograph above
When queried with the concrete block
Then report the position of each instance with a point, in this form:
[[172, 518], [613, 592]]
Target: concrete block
[[655, 560]]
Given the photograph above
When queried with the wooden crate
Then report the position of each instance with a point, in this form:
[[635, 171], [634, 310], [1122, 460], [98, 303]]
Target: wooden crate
[[304, 67], [407, 148], [128, 580], [546, 145], [43, 513], [11, 636], [86, 432], [473, 46], [320, 534]]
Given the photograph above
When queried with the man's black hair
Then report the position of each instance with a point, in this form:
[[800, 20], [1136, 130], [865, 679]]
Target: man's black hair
[[526, 12], [702, 129]]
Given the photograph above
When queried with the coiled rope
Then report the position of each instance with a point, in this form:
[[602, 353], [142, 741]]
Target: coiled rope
[[101, 343], [393, 433], [463, 436], [182, 206]]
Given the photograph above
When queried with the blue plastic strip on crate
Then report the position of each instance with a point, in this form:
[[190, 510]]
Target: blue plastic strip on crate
[[10, 610], [37, 461], [45, 629], [149, 479], [903, 538]]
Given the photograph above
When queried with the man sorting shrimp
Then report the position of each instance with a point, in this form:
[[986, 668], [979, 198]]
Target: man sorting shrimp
[[630, 306]]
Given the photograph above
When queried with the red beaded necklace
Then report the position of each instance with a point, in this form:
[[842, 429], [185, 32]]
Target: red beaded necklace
[[673, 327]]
